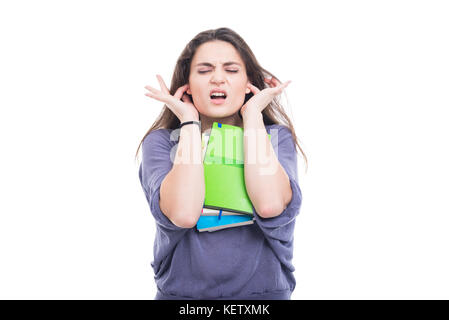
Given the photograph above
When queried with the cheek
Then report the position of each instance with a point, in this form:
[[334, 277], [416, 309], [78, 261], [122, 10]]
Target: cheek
[[241, 91], [243, 85], [198, 89]]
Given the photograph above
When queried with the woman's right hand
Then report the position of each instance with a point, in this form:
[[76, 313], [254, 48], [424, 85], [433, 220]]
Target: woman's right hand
[[185, 110]]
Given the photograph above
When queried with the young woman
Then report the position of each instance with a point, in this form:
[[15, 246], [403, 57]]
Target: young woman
[[247, 262]]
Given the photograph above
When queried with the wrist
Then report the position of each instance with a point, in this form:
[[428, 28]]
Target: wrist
[[191, 123], [189, 118], [250, 113]]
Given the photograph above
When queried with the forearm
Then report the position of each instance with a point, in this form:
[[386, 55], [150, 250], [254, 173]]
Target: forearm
[[182, 190], [267, 183]]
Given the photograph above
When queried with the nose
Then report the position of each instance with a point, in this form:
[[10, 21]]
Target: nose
[[217, 77]]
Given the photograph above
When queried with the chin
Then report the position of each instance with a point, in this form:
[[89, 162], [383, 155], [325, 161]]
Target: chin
[[217, 113]]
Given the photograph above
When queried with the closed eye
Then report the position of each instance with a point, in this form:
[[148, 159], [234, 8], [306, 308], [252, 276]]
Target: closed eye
[[233, 71]]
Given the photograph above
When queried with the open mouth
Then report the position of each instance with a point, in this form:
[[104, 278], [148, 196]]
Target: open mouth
[[218, 98]]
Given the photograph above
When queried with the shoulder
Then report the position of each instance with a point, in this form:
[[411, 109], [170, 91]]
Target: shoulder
[[279, 130], [158, 136], [281, 137]]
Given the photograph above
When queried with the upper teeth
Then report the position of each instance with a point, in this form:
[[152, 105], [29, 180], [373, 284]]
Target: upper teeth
[[218, 94]]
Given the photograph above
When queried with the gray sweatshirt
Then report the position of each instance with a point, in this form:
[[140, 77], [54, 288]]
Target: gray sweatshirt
[[246, 262]]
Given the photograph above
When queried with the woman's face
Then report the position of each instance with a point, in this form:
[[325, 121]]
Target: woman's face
[[217, 65]]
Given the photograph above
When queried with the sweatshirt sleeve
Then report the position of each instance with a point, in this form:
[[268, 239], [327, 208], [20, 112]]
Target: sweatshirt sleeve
[[279, 230], [155, 165]]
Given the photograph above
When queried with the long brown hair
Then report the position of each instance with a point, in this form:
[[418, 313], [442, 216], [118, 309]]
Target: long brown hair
[[273, 113]]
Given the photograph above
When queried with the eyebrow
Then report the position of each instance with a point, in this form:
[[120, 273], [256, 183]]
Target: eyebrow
[[207, 64]]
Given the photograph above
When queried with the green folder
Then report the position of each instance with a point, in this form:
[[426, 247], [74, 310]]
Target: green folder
[[224, 170]]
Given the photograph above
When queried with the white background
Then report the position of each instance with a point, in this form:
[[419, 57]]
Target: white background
[[369, 99]]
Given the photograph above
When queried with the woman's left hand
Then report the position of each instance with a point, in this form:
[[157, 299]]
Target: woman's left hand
[[262, 98]]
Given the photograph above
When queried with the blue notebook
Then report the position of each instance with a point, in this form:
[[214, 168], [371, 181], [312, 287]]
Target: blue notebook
[[213, 223]]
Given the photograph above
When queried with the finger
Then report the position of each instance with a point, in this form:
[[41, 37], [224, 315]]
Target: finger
[[275, 81], [186, 98], [253, 88], [162, 84], [281, 87], [180, 92], [284, 85], [156, 97], [155, 94], [269, 82], [152, 90]]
